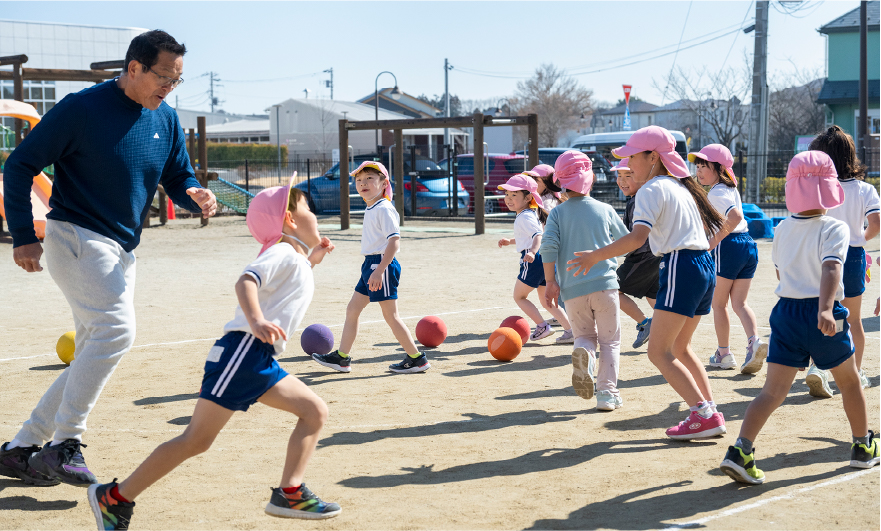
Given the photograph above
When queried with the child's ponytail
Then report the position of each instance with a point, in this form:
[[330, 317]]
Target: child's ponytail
[[713, 221]]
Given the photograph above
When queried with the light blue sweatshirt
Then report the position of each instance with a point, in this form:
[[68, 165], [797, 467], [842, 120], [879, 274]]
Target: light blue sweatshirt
[[581, 224]]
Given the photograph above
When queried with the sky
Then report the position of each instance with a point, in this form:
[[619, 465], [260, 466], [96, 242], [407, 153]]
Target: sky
[[266, 52]]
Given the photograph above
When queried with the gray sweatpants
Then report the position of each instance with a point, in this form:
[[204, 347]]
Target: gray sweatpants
[[97, 277]]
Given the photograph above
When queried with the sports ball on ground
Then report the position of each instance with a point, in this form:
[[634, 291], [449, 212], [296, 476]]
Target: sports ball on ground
[[66, 347], [504, 344], [431, 331], [519, 324], [316, 339]]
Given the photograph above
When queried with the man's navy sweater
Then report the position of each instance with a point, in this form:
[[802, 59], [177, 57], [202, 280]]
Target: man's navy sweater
[[110, 154]]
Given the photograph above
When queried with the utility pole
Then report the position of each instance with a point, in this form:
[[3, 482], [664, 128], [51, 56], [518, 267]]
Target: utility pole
[[214, 78], [758, 147], [447, 68], [329, 83], [862, 129]]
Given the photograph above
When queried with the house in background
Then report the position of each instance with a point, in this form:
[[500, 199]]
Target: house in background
[[840, 91], [642, 114]]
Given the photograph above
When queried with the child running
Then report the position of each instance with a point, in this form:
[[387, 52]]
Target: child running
[[638, 275], [548, 190], [380, 273], [808, 321], [860, 203], [274, 292], [591, 300], [736, 257], [521, 196], [672, 211]]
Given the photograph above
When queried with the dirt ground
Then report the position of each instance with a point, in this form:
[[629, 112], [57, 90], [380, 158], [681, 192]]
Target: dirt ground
[[471, 444]]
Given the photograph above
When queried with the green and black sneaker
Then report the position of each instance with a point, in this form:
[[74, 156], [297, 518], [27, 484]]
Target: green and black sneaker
[[862, 456], [742, 467]]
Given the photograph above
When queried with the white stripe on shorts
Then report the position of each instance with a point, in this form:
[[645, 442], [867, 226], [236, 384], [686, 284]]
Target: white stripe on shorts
[[233, 365], [671, 278], [385, 286], [525, 270]]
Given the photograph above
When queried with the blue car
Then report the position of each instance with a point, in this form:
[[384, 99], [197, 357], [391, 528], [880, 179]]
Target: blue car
[[433, 192]]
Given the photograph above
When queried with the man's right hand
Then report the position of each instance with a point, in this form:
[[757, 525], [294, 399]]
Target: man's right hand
[[28, 256]]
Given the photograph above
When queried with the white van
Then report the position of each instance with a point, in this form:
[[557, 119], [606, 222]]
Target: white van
[[604, 143]]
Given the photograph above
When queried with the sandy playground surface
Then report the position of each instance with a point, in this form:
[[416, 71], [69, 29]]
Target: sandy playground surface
[[471, 444]]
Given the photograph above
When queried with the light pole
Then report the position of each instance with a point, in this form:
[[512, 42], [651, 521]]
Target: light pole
[[396, 95], [278, 136], [499, 107]]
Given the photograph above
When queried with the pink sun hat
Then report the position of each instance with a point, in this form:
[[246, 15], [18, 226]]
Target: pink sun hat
[[812, 183], [524, 182], [716, 153], [380, 167], [622, 165], [543, 171], [654, 138], [266, 213], [574, 170]]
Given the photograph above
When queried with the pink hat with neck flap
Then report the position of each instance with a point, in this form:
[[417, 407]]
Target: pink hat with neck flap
[[524, 182], [658, 139], [266, 214], [716, 153], [812, 183], [574, 170]]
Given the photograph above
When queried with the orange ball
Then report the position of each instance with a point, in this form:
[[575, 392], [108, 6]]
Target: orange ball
[[519, 324], [504, 344], [431, 331]]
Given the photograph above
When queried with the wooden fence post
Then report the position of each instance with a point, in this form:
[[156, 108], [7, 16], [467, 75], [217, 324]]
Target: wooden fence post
[[399, 173], [479, 202], [532, 128]]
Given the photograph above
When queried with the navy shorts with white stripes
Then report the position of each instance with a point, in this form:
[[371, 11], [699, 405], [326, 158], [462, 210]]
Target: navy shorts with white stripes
[[853, 274], [390, 278], [687, 281], [532, 274], [239, 370], [736, 256]]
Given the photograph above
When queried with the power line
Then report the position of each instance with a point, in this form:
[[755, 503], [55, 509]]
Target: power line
[[271, 80], [672, 66], [748, 9]]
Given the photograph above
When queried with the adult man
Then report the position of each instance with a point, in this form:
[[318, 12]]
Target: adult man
[[111, 145]]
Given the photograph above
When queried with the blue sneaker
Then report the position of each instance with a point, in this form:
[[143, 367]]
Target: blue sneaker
[[642, 332], [65, 462], [334, 361], [411, 365]]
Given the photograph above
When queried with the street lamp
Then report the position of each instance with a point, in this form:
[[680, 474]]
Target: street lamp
[[278, 136], [499, 106], [396, 95]]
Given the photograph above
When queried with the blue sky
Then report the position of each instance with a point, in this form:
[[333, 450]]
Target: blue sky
[[269, 51]]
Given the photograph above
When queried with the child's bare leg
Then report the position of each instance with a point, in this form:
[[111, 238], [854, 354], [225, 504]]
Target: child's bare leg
[[777, 383], [720, 311], [852, 397], [854, 319], [399, 329], [558, 313], [665, 328], [521, 291], [739, 292], [630, 307], [292, 395], [353, 314], [682, 351], [651, 302], [207, 421]]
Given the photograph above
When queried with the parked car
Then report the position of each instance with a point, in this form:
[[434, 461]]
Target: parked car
[[605, 187], [498, 168], [432, 188], [604, 143]]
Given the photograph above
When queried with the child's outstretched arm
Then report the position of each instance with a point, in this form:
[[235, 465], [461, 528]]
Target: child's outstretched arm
[[584, 260], [265, 331], [374, 283], [506, 241], [317, 255], [829, 280]]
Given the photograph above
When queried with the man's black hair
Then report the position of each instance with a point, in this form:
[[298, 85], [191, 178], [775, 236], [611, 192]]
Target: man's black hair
[[145, 48]]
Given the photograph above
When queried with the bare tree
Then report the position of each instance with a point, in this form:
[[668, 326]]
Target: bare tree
[[793, 109], [326, 138], [559, 101]]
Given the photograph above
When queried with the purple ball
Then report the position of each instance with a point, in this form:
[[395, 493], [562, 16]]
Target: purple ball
[[316, 339]]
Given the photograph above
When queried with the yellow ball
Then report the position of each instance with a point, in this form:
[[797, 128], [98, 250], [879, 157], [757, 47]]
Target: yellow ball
[[66, 347]]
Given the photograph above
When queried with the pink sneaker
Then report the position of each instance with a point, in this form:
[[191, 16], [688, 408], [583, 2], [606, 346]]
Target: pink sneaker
[[698, 427]]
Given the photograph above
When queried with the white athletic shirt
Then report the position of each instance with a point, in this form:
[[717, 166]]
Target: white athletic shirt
[[526, 226], [381, 222], [724, 198], [550, 202], [284, 290], [665, 206], [860, 200], [801, 245]]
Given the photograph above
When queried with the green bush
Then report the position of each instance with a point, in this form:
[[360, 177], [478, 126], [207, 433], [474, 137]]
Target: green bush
[[229, 151]]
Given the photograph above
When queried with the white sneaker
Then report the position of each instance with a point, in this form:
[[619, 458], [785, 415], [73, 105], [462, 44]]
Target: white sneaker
[[817, 381], [755, 357], [606, 401], [541, 331], [583, 369], [864, 380], [722, 362], [566, 338]]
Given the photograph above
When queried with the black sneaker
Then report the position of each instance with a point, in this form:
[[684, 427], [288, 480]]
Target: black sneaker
[[65, 462], [14, 464], [109, 512], [862, 456], [334, 361], [417, 364], [301, 504], [742, 467]]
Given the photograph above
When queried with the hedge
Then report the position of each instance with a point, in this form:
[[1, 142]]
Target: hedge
[[230, 151]]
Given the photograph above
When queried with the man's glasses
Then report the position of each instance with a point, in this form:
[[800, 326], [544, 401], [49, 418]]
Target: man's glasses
[[166, 81]]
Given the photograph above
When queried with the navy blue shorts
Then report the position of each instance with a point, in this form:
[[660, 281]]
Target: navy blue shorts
[[736, 256], [687, 281], [239, 370], [390, 278], [853, 273], [533, 275], [795, 338]]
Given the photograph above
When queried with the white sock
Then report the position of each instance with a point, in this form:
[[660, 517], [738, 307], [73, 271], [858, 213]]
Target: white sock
[[55, 443], [15, 443], [712, 405]]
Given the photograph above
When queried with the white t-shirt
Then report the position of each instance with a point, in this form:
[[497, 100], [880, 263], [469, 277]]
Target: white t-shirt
[[381, 222], [665, 206], [801, 245], [724, 198], [284, 290], [860, 200], [550, 202], [526, 226]]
